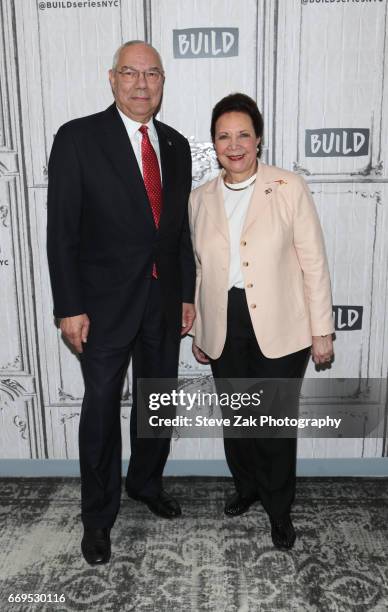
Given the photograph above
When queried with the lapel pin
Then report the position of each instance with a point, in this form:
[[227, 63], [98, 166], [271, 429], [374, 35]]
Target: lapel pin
[[269, 190], [169, 143]]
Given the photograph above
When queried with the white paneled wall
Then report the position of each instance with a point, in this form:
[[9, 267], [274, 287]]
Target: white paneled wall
[[311, 66]]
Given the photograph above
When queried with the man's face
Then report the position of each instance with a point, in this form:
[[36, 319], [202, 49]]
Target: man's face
[[138, 99]]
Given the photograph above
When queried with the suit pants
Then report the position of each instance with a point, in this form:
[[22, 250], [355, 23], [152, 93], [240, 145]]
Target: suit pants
[[155, 352], [261, 467]]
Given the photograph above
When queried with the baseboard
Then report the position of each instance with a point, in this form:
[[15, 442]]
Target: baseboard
[[364, 467]]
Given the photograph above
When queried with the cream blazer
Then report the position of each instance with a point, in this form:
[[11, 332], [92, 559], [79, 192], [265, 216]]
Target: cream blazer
[[283, 262]]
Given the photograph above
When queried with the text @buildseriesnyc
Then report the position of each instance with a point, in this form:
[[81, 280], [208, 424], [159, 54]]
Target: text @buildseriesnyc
[[257, 408]]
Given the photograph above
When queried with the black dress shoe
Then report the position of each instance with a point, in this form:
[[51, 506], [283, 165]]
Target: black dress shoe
[[163, 505], [95, 546], [237, 504], [283, 532]]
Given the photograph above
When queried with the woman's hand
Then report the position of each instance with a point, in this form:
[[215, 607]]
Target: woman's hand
[[322, 349], [199, 355]]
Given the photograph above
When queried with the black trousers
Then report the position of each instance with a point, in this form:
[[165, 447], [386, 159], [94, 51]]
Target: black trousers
[[155, 353], [263, 467]]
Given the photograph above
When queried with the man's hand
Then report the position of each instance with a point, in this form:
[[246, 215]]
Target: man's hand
[[75, 330], [188, 316], [200, 356], [322, 349]]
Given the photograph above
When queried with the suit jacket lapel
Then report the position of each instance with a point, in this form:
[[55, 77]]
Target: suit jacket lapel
[[168, 164], [120, 153]]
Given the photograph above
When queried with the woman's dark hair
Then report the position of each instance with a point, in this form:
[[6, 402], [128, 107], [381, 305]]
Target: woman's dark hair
[[239, 103]]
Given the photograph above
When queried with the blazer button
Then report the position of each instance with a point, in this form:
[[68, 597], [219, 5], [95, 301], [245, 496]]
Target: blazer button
[[253, 305], [250, 285], [245, 263], [243, 243]]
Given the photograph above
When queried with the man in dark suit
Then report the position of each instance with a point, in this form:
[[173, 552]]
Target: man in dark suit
[[123, 277]]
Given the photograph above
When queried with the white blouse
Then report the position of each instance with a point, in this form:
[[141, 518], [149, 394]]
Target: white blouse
[[236, 204]]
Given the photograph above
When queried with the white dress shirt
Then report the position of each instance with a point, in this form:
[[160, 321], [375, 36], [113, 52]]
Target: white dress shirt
[[236, 206], [135, 137]]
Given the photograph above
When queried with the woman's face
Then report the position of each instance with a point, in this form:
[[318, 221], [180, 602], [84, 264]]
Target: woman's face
[[236, 143]]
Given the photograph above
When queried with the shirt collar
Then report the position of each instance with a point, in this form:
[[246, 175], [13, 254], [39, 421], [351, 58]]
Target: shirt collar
[[132, 126]]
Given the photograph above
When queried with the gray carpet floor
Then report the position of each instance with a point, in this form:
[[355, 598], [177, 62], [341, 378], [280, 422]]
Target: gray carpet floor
[[203, 561]]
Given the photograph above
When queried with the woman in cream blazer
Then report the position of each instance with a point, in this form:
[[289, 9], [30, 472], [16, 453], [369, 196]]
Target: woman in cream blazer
[[263, 294]]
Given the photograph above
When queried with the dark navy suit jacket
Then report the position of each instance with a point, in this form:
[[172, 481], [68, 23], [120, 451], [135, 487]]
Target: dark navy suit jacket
[[101, 236]]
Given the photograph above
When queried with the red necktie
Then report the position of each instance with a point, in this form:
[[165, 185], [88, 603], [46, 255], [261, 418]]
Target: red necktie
[[151, 177]]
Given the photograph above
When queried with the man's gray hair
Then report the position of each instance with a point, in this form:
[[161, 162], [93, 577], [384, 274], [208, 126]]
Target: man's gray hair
[[130, 43]]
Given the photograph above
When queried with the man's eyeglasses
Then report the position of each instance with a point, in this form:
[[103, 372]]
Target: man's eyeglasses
[[153, 75]]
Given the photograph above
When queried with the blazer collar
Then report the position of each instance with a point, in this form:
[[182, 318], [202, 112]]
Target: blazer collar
[[214, 201], [261, 197]]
